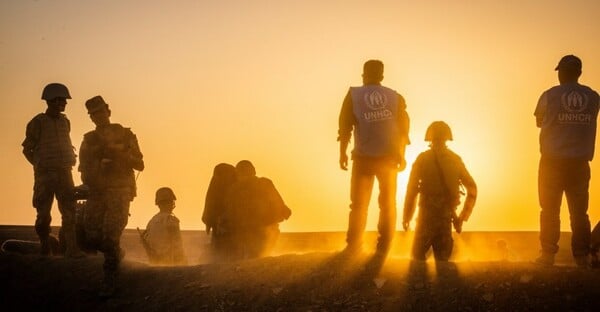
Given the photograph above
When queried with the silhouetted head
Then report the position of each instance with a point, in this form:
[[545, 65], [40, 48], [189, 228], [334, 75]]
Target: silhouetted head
[[438, 133], [224, 171], [56, 95], [372, 72], [98, 110], [245, 169], [54, 90], [165, 199], [569, 69]]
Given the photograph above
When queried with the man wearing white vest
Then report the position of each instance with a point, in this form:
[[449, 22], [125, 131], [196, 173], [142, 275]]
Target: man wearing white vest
[[567, 117], [377, 116]]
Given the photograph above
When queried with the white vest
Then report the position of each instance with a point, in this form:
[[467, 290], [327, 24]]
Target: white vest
[[377, 132]]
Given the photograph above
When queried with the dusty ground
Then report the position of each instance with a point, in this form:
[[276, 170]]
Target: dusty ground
[[303, 281]]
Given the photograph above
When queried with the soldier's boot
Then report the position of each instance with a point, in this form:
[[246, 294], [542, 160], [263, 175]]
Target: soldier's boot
[[546, 259], [72, 249], [595, 263], [108, 287], [45, 249]]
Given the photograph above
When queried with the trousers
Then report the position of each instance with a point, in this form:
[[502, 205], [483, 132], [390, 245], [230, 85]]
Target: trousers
[[570, 177]]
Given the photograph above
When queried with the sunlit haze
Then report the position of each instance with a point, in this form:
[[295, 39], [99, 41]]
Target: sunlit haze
[[204, 82]]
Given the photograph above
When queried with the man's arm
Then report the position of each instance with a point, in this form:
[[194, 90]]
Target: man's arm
[[412, 190], [32, 135], [471, 187], [136, 159], [540, 110], [404, 125], [346, 124]]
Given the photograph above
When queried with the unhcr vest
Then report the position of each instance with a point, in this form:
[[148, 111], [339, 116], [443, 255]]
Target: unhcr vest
[[377, 132], [568, 128], [53, 148]]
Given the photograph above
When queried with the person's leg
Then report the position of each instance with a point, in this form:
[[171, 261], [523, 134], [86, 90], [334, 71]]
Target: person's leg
[[443, 242], [578, 198], [550, 195], [43, 196], [422, 241], [115, 220], [66, 206], [93, 221], [361, 186], [386, 225]]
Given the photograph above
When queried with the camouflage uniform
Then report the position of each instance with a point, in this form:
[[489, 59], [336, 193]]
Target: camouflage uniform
[[253, 210], [47, 146], [164, 239], [112, 187], [438, 200]]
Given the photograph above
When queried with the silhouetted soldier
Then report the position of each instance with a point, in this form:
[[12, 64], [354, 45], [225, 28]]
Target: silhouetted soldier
[[567, 116], [223, 177], [162, 238], [108, 154], [437, 175], [47, 146], [253, 210], [378, 117]]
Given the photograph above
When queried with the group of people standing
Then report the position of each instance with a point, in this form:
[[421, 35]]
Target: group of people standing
[[108, 156], [242, 211], [376, 115]]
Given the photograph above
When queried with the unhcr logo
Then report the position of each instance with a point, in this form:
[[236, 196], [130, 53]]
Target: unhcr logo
[[574, 103], [375, 100]]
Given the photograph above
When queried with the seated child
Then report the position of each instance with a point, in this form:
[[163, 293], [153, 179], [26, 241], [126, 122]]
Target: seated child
[[162, 238]]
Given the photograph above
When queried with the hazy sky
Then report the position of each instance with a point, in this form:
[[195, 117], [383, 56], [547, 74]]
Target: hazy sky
[[204, 82]]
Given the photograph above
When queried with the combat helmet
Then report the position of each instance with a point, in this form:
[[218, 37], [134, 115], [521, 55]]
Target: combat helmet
[[164, 194], [438, 131], [55, 90]]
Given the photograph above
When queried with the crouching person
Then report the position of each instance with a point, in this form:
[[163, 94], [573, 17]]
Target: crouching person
[[437, 175], [253, 210], [162, 238]]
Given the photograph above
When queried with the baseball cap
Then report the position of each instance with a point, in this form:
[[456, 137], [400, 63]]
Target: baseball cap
[[569, 62]]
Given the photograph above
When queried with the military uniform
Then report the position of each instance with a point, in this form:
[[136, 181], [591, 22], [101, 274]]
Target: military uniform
[[253, 210], [108, 156], [163, 237], [438, 200], [47, 146]]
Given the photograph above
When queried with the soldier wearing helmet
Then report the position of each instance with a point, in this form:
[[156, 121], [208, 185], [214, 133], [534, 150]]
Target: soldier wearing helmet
[[47, 146], [377, 117], [436, 176], [108, 157], [162, 237]]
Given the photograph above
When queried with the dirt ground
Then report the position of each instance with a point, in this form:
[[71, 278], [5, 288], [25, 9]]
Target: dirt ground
[[301, 280]]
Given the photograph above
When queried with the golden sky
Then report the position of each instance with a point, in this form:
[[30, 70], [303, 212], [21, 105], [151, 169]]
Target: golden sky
[[204, 82]]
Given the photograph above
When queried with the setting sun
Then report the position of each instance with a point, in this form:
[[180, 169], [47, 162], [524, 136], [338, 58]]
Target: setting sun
[[203, 82]]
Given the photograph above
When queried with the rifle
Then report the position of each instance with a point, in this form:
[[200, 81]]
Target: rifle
[[149, 251], [456, 221]]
